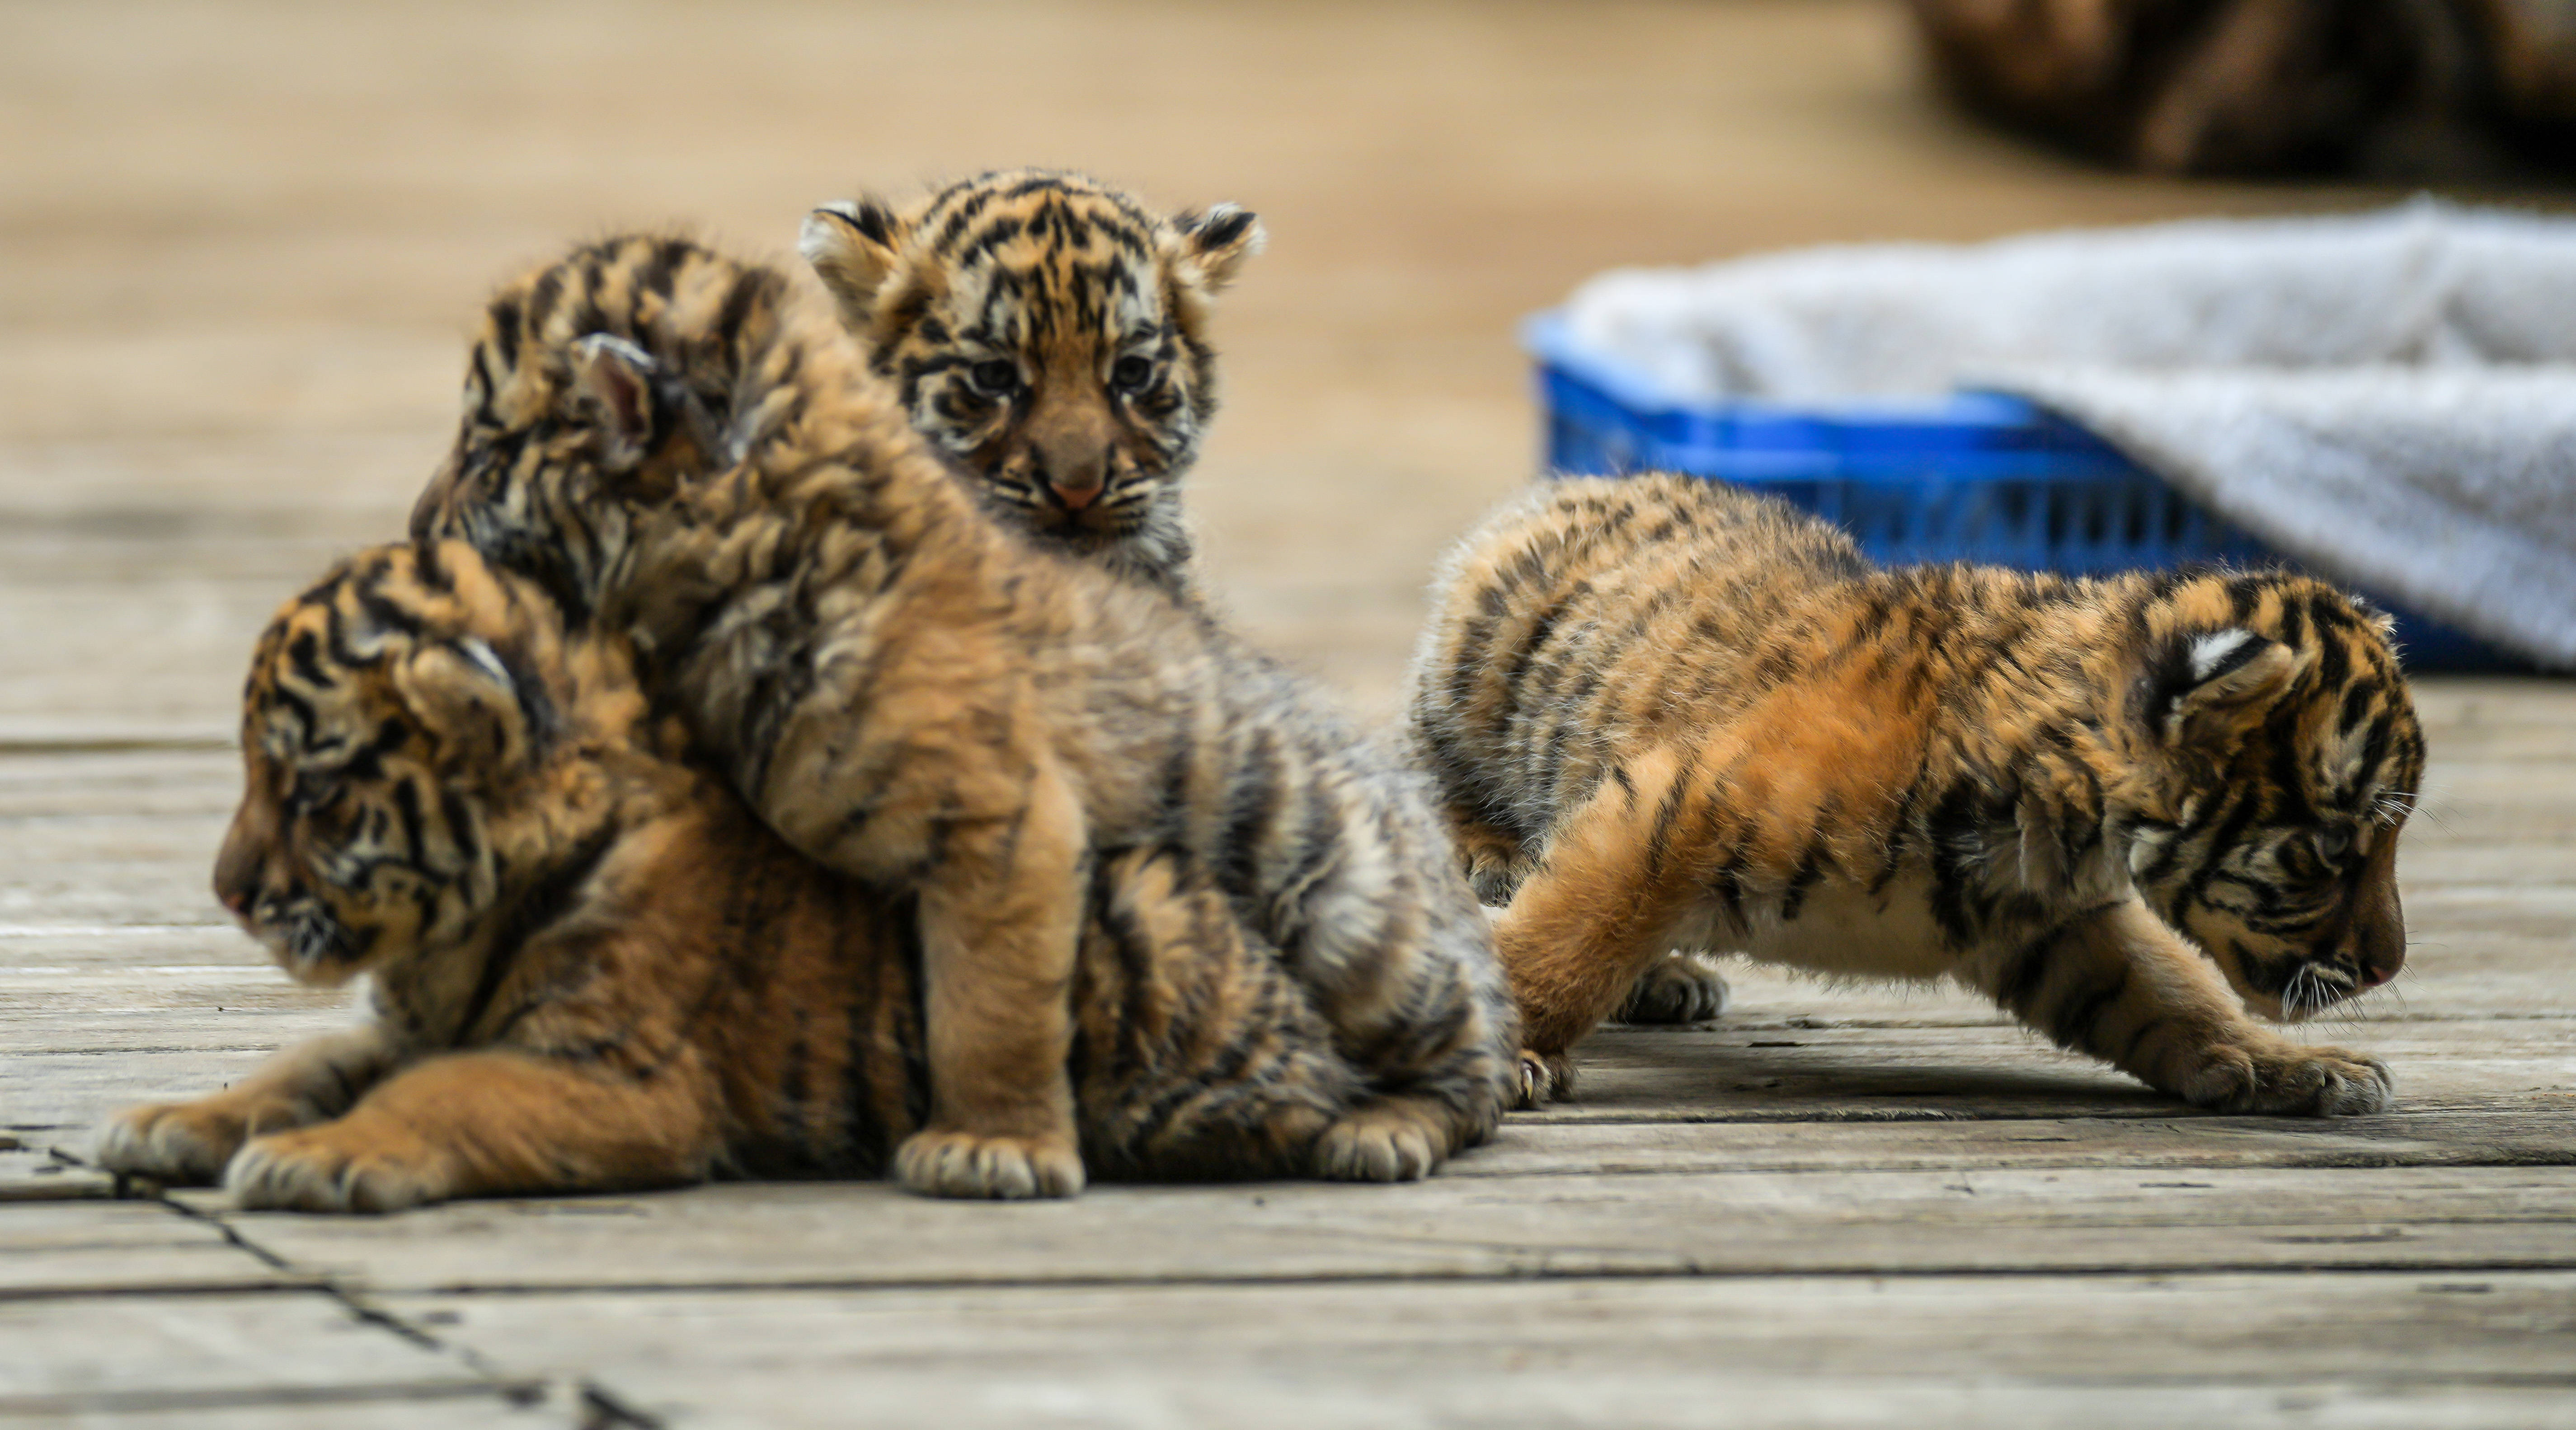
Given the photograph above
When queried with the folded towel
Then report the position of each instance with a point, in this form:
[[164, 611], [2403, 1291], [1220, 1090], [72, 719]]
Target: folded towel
[[2389, 397], [2452, 490]]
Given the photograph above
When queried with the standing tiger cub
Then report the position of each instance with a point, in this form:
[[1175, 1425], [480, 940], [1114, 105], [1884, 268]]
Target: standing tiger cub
[[593, 969], [1051, 334], [1665, 713], [679, 447]]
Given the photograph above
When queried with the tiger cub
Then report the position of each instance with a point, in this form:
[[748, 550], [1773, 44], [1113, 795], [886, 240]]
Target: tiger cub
[[1669, 714], [1051, 334], [674, 446], [593, 968]]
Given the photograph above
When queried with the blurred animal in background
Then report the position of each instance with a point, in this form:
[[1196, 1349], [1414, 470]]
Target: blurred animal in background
[[1051, 334], [2405, 88], [593, 969], [1669, 713], [677, 446]]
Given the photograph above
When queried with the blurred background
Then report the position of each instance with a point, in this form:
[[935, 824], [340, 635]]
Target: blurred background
[[241, 245]]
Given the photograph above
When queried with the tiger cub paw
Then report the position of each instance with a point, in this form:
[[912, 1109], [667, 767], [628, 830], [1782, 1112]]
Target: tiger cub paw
[[1391, 1140], [2294, 1080], [332, 1169], [968, 1164], [1545, 1078], [181, 1143], [1675, 989]]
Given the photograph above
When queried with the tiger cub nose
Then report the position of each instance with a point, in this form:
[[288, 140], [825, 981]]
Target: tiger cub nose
[[1077, 492]]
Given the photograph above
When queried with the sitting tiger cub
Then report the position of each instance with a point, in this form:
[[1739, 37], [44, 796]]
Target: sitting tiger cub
[[675, 446], [1050, 334], [593, 969], [1666, 713]]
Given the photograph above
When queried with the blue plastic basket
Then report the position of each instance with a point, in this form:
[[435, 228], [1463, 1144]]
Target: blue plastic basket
[[1973, 477]]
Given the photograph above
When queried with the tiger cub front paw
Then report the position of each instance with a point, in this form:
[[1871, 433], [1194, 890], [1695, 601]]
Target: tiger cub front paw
[[968, 1164], [181, 1143], [332, 1168], [2287, 1078]]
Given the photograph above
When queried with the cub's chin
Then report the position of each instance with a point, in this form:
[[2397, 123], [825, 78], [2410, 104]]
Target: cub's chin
[[2292, 990], [314, 948]]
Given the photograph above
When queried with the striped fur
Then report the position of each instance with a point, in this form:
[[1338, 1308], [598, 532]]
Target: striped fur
[[1049, 333], [1667, 714], [911, 694], [593, 968]]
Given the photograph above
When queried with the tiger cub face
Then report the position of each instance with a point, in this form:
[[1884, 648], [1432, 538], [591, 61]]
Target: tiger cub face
[[1051, 335], [2293, 758], [407, 766]]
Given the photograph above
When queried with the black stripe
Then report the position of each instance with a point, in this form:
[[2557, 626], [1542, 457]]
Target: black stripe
[[2071, 1025], [505, 330], [407, 805], [537, 910], [750, 287]]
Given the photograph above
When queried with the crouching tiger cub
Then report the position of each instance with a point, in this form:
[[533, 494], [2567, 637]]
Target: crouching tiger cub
[[1051, 334], [1666, 713], [674, 446], [594, 969]]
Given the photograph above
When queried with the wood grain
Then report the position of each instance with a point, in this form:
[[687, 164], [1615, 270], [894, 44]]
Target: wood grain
[[2046, 1351], [239, 249]]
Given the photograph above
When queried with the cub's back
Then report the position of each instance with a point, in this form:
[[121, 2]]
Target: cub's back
[[1595, 606]]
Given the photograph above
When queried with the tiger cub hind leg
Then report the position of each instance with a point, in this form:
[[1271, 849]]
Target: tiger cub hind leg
[[1199, 1056], [2117, 983], [1596, 918], [1675, 991], [1196, 1056]]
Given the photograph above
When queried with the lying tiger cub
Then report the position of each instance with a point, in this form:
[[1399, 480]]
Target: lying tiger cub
[[594, 969], [1665, 713]]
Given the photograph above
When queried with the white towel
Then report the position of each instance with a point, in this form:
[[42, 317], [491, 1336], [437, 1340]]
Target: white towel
[[2389, 397]]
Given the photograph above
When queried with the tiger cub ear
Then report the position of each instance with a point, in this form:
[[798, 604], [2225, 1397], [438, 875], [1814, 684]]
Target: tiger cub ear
[[612, 380], [2218, 683], [854, 245], [470, 704], [1217, 242]]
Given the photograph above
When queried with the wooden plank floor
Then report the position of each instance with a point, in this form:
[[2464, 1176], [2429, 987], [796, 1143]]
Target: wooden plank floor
[[238, 249]]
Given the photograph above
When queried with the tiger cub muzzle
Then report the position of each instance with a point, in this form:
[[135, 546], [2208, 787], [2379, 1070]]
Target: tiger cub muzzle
[[2294, 951], [1069, 454]]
